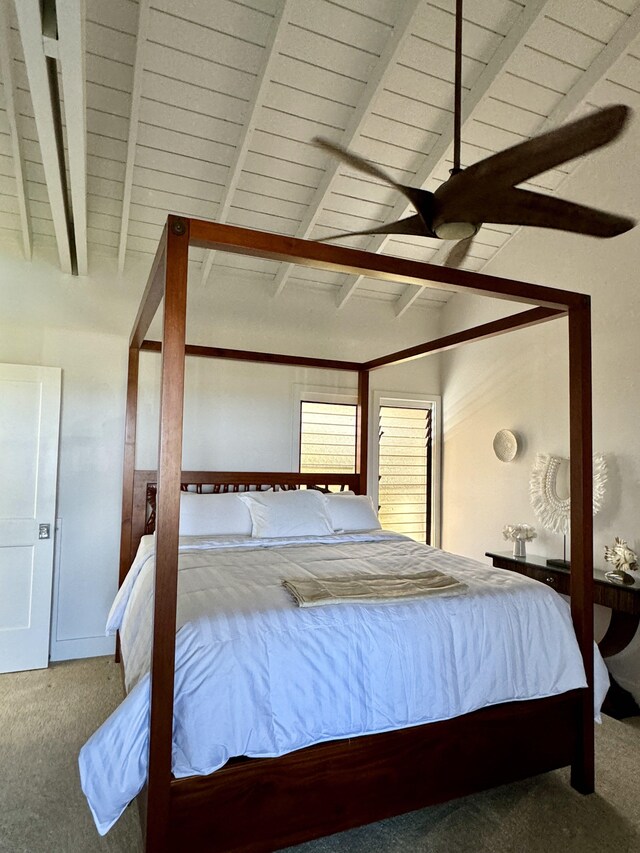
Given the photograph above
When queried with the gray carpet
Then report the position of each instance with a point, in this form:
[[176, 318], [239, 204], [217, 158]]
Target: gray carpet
[[46, 715]]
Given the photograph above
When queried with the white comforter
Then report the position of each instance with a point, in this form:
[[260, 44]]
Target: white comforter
[[258, 676]]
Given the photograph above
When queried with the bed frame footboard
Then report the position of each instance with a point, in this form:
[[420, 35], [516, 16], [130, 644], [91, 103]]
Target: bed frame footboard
[[261, 805]]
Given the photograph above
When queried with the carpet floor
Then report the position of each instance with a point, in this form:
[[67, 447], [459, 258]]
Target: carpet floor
[[46, 715]]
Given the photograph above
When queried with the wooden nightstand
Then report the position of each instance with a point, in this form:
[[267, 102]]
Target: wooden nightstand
[[624, 602]]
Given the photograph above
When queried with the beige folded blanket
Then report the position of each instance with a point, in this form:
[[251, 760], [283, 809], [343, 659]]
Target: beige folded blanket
[[372, 589]]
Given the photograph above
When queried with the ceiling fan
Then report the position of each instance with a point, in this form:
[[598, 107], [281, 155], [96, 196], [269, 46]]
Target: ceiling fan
[[487, 191]]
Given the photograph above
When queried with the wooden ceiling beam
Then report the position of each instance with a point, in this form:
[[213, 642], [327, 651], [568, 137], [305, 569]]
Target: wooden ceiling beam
[[38, 73], [134, 122], [6, 67], [472, 102], [406, 299], [271, 52], [402, 30], [71, 54]]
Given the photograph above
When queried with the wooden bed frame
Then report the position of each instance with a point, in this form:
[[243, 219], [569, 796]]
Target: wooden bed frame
[[254, 805]]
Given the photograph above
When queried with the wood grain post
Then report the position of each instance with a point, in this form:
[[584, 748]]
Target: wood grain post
[[168, 513], [521, 320], [581, 453], [362, 429], [129, 461], [128, 466]]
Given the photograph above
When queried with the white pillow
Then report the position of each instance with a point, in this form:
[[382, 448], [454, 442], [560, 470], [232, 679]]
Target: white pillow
[[352, 513], [213, 514], [296, 512]]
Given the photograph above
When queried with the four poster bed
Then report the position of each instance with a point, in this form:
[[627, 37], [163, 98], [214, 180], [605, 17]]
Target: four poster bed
[[264, 804]]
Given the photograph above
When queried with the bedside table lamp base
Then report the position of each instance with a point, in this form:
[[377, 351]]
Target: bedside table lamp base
[[559, 564], [563, 563]]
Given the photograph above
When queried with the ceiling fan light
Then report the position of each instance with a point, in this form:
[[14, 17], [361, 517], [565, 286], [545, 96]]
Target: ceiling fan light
[[455, 230]]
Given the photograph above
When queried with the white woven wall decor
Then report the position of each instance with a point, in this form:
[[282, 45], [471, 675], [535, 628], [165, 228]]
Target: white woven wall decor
[[554, 512]]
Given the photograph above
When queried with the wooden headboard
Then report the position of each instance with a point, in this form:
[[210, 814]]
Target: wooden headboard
[[145, 490]]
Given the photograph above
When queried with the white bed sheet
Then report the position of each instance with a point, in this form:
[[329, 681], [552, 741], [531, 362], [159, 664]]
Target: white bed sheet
[[258, 676]]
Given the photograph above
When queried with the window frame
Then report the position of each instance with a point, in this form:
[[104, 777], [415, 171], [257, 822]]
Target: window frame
[[405, 399], [314, 394], [408, 400]]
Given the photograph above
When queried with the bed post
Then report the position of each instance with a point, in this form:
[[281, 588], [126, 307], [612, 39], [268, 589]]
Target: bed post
[[580, 429], [149, 303], [128, 466], [129, 461], [168, 511], [362, 429]]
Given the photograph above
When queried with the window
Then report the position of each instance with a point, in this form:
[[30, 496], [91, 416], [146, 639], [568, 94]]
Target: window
[[405, 469], [327, 437], [403, 473]]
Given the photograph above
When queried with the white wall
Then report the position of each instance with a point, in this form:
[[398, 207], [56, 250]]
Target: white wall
[[89, 481], [53, 319], [238, 415], [520, 381], [517, 381]]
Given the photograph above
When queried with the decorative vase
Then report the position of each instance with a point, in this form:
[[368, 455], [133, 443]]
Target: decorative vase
[[519, 548]]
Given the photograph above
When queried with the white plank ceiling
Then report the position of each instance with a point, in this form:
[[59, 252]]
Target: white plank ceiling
[[207, 108]]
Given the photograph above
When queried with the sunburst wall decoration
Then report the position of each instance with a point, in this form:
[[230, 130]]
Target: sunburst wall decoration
[[552, 511]]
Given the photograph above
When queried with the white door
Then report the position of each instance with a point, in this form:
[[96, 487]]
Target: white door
[[29, 424]]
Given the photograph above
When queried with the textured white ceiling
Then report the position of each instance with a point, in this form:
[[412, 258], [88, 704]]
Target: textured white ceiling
[[207, 108]]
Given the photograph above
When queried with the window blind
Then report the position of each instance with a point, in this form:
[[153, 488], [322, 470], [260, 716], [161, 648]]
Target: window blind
[[327, 438], [404, 460]]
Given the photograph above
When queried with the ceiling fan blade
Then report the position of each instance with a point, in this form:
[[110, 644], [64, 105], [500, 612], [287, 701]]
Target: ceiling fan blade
[[410, 225], [521, 162], [459, 252], [357, 162], [521, 207]]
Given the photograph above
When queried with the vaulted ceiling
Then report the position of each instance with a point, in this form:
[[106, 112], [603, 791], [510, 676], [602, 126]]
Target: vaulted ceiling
[[207, 108]]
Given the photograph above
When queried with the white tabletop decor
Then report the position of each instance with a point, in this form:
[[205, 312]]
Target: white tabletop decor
[[519, 534], [623, 559]]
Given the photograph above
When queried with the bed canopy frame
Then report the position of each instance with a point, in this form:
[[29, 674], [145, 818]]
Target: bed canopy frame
[[265, 804]]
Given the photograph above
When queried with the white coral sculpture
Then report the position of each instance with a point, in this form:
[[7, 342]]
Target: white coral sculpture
[[621, 557]]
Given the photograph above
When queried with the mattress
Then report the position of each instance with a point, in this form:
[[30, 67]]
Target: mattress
[[258, 676]]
